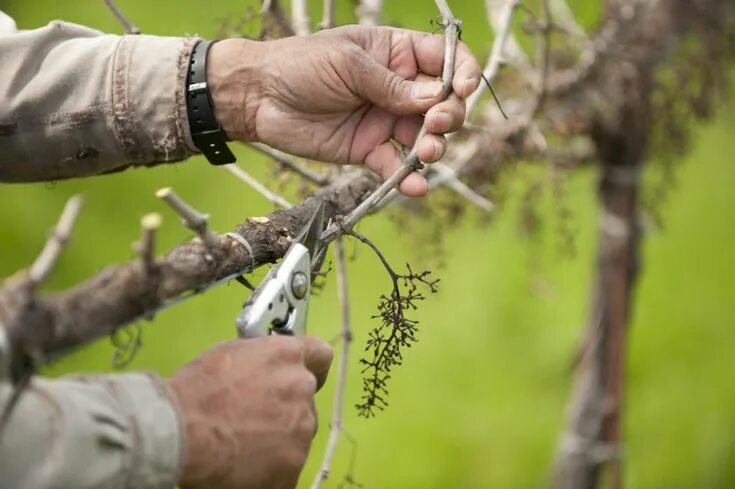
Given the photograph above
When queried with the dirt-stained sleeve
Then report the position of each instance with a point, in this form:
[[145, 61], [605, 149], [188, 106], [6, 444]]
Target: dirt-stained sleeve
[[77, 102], [108, 431]]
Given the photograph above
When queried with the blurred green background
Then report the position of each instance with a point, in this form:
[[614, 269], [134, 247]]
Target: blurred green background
[[480, 400]]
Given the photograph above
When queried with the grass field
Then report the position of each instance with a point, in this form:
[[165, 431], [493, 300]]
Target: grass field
[[480, 400]]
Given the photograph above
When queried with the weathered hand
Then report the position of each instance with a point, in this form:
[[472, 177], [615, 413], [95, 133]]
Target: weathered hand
[[341, 95], [248, 411]]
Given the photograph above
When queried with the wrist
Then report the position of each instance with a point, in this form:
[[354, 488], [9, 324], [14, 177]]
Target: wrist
[[197, 464], [235, 84]]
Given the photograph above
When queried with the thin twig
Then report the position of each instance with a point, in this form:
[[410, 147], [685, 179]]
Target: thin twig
[[594, 53], [497, 54], [411, 162], [327, 15], [192, 219], [146, 247], [335, 426], [271, 196], [463, 190], [369, 12], [46, 261], [364, 239], [300, 17], [544, 57], [127, 24], [565, 18], [285, 160], [272, 9]]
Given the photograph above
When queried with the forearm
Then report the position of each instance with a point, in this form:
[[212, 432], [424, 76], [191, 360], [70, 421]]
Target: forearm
[[77, 102], [116, 431]]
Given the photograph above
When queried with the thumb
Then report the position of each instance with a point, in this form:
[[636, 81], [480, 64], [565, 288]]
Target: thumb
[[317, 357], [390, 91]]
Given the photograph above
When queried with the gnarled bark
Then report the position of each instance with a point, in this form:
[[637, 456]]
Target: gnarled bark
[[44, 326]]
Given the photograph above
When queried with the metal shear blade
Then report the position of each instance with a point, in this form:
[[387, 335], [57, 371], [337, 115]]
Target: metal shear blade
[[310, 237], [279, 304]]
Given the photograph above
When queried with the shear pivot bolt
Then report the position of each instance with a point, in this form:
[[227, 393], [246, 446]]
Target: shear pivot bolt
[[299, 285]]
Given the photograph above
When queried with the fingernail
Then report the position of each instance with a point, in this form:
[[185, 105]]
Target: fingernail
[[470, 84], [442, 121], [423, 91]]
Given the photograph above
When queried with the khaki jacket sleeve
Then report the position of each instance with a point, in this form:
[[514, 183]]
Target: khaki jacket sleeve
[[77, 102], [102, 432]]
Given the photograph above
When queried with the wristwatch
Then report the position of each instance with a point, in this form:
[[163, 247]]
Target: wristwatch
[[207, 134]]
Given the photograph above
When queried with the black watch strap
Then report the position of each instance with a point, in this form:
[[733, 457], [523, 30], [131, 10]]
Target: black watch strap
[[207, 134]]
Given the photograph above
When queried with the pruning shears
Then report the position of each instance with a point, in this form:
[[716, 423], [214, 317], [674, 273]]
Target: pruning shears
[[280, 303]]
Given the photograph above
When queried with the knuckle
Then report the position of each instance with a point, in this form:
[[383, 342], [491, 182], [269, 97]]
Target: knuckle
[[394, 87], [326, 352], [285, 348], [308, 384], [294, 459], [302, 384], [306, 425], [288, 386], [297, 384]]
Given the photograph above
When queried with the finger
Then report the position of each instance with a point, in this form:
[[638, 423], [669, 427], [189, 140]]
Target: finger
[[447, 116], [431, 148], [429, 52], [466, 72], [423, 77], [384, 88], [385, 159], [376, 127], [317, 357], [407, 129]]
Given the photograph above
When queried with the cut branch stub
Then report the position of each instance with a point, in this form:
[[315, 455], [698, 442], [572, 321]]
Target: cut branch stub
[[191, 218], [146, 247], [51, 252]]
